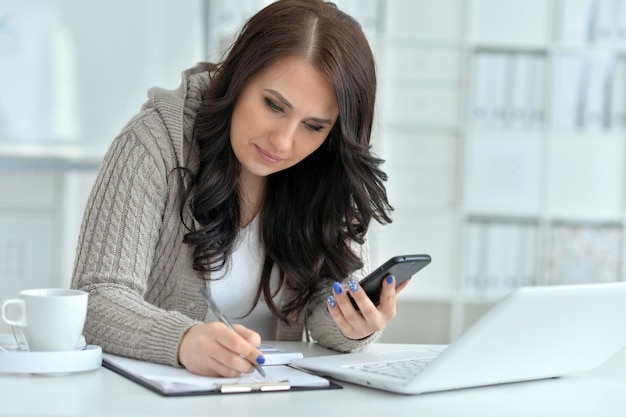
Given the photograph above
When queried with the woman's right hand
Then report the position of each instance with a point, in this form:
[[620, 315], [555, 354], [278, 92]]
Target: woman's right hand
[[212, 349]]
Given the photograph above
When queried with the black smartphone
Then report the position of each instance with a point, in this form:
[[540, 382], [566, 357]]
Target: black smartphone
[[402, 267]]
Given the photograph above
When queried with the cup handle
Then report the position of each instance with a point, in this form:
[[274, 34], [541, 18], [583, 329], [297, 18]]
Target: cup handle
[[21, 320]]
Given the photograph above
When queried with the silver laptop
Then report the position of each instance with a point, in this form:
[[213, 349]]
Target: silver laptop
[[534, 333]]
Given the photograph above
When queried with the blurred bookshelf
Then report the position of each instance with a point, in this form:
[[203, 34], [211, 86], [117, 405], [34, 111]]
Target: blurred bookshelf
[[542, 201], [504, 126]]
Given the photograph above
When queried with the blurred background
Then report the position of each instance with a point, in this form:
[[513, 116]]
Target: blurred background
[[502, 123]]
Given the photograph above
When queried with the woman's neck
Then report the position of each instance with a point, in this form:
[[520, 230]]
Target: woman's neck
[[252, 188]]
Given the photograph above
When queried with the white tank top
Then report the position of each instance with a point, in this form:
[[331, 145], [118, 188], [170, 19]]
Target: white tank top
[[238, 282]]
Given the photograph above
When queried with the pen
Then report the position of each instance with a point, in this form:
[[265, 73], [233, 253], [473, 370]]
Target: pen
[[221, 317]]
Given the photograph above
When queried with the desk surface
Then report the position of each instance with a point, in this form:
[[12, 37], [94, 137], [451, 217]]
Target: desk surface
[[597, 393]]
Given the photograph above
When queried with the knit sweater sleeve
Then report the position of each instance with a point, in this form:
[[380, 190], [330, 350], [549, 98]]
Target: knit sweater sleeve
[[121, 228]]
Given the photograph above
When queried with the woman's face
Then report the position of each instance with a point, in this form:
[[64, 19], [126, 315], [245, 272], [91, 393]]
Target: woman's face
[[282, 116]]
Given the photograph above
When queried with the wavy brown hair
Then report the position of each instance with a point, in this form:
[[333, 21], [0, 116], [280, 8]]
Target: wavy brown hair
[[313, 211]]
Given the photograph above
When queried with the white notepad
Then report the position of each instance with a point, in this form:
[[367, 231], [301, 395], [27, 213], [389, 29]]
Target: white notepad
[[275, 355]]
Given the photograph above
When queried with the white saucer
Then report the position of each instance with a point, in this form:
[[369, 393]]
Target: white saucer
[[51, 363]]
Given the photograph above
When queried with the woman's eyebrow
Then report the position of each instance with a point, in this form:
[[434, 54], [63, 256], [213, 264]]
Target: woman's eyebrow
[[280, 97], [286, 102]]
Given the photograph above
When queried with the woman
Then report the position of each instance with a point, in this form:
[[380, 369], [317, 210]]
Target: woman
[[255, 179]]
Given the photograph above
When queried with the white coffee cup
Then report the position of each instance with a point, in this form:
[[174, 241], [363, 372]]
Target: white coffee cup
[[50, 319]]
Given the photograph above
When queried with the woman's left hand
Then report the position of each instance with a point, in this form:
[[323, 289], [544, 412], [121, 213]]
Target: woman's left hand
[[369, 318]]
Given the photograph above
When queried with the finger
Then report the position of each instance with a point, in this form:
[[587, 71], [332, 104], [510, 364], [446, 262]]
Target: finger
[[337, 303], [335, 312], [402, 286], [224, 350], [359, 328], [203, 352], [344, 304], [216, 368], [346, 327], [249, 335], [387, 305], [252, 351], [242, 345], [360, 297], [388, 290], [353, 323]]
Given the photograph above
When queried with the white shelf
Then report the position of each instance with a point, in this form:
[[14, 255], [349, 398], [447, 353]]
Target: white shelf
[[51, 155]]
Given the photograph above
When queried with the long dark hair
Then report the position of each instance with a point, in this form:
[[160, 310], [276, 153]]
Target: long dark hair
[[313, 211]]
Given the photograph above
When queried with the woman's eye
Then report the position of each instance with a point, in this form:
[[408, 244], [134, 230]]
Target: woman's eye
[[275, 107], [315, 128]]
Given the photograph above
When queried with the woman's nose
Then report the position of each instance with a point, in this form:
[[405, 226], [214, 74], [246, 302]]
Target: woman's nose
[[283, 137]]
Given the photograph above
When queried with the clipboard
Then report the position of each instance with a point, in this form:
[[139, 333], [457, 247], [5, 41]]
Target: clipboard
[[183, 383]]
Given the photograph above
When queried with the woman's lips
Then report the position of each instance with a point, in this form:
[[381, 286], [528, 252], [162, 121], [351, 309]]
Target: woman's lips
[[266, 156]]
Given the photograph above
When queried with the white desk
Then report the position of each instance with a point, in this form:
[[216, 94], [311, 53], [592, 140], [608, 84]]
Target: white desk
[[598, 393]]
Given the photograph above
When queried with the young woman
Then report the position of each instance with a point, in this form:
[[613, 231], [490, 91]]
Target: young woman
[[254, 179]]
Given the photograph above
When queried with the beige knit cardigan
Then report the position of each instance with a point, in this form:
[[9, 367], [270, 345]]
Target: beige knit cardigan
[[131, 259]]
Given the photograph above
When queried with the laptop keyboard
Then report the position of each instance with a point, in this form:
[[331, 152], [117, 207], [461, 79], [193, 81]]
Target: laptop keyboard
[[403, 369]]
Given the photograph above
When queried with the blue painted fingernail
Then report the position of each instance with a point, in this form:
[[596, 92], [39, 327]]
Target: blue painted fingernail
[[390, 279], [352, 285], [337, 288], [331, 301], [260, 359]]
